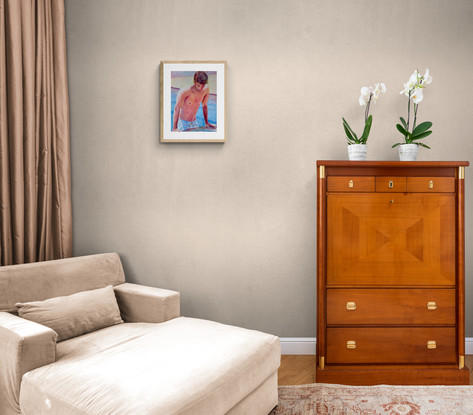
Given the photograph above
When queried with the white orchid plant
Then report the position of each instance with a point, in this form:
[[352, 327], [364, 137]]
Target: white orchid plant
[[368, 94], [413, 89]]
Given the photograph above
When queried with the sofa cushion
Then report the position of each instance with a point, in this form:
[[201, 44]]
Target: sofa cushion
[[182, 366], [76, 314]]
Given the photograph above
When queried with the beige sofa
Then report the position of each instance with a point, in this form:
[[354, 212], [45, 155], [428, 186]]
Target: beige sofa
[[154, 362]]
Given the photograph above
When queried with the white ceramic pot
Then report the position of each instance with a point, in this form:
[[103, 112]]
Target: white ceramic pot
[[357, 152], [408, 152]]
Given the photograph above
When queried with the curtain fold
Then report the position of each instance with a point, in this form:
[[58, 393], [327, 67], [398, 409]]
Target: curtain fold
[[35, 174]]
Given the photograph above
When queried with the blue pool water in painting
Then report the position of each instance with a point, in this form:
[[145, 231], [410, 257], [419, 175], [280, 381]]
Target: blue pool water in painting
[[212, 106]]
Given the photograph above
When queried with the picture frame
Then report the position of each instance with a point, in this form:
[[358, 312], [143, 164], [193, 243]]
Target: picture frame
[[192, 102]]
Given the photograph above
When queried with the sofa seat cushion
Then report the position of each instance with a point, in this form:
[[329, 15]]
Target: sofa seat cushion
[[182, 366]]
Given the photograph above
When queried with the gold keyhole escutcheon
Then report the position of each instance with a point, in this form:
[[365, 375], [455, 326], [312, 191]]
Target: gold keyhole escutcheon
[[391, 184], [350, 184]]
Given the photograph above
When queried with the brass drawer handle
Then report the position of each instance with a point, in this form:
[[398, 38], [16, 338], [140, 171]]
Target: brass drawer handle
[[351, 344], [391, 184], [431, 344], [351, 306], [431, 305], [431, 184], [350, 184]]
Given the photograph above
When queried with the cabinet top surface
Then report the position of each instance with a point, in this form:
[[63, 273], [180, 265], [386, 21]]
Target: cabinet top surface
[[396, 164]]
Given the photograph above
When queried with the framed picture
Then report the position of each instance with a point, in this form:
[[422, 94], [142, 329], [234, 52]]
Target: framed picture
[[193, 102]]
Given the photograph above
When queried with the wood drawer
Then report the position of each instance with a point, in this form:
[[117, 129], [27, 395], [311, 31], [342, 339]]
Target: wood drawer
[[391, 184], [431, 184], [350, 184], [385, 306], [398, 345]]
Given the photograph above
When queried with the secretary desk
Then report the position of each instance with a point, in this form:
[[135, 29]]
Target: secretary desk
[[390, 273]]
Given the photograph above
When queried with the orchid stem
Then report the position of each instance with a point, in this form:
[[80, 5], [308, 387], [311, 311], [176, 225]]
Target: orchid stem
[[367, 111], [408, 113], [416, 106]]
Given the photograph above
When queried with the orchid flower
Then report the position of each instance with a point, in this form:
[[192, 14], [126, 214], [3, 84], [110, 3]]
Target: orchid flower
[[378, 88], [427, 78], [417, 95], [411, 83], [365, 95]]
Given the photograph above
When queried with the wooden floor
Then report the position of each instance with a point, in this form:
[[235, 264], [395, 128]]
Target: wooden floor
[[300, 369]]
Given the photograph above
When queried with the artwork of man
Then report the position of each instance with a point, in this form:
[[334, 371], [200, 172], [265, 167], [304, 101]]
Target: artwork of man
[[188, 102]]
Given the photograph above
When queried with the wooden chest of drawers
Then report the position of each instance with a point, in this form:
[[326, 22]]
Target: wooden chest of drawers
[[390, 273]]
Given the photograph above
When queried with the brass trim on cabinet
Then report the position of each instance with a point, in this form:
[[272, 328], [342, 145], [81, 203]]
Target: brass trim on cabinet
[[461, 362], [322, 362], [461, 172], [322, 172]]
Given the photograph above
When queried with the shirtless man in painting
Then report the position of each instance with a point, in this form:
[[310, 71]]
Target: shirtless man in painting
[[188, 102]]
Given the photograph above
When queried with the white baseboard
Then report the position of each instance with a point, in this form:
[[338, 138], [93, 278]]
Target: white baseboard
[[469, 345], [306, 345], [297, 345]]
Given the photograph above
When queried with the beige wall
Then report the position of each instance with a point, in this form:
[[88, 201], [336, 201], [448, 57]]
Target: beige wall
[[232, 226]]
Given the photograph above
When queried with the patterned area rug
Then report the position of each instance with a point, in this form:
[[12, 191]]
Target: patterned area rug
[[374, 400]]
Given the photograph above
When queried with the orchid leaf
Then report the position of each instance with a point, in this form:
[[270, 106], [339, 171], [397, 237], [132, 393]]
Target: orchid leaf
[[404, 123], [345, 123], [366, 131], [349, 132], [350, 139], [402, 130], [421, 128], [423, 145], [420, 136], [395, 145]]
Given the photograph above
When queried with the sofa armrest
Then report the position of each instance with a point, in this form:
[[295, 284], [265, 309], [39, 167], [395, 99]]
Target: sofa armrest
[[139, 303], [24, 346]]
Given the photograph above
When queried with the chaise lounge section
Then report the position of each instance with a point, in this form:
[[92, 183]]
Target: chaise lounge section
[[145, 360]]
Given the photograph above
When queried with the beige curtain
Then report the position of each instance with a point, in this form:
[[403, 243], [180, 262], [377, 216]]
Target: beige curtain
[[35, 182]]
